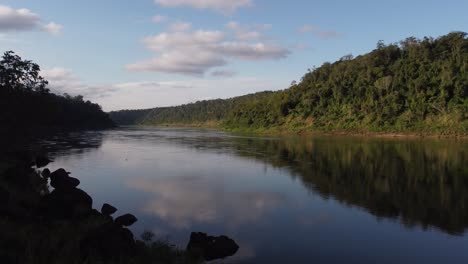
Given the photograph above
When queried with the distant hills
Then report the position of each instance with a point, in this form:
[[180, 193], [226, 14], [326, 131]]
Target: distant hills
[[416, 85]]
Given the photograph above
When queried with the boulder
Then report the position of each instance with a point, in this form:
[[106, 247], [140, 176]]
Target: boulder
[[108, 209], [42, 161], [59, 179], [67, 203], [45, 173], [126, 220], [210, 247]]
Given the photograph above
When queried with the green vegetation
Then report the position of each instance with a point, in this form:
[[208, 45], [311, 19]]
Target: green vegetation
[[26, 104], [415, 86], [202, 113]]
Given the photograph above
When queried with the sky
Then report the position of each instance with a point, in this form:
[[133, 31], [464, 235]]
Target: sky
[[139, 54]]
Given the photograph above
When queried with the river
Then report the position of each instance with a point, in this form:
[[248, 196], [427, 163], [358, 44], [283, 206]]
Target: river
[[284, 200]]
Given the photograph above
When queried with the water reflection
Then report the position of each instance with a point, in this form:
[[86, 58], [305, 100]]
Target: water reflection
[[184, 201], [416, 182]]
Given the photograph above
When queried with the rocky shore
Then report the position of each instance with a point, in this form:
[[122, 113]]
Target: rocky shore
[[46, 218]]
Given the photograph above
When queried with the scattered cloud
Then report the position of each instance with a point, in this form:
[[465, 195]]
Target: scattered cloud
[[188, 52], [233, 25], [148, 94], [223, 73], [223, 6], [53, 28], [63, 81], [180, 26], [319, 32], [24, 20], [244, 33], [159, 19]]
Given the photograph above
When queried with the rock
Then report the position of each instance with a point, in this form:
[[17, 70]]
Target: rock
[[59, 173], [42, 161], [210, 247], [45, 173], [67, 203], [59, 179], [108, 209], [109, 242], [126, 220]]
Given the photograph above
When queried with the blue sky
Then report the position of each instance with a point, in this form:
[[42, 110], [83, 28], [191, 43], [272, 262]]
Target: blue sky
[[148, 53]]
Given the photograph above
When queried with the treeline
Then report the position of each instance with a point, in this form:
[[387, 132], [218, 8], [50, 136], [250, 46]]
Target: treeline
[[417, 85], [207, 112], [26, 103]]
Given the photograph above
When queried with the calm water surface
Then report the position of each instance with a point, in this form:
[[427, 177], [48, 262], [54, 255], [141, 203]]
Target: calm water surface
[[284, 200]]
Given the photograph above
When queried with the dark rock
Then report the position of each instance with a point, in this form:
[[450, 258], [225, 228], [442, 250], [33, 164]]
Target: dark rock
[[42, 161], [45, 173], [59, 173], [126, 220], [210, 247], [109, 242], [108, 209], [67, 203], [59, 179]]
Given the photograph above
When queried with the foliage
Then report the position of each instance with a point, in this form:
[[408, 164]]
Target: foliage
[[198, 113], [413, 86], [26, 103], [416, 85]]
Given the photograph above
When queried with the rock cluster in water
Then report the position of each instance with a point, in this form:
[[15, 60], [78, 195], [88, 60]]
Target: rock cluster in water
[[110, 240]]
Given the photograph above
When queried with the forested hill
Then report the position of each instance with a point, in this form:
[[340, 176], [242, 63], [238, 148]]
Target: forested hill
[[201, 113], [417, 85], [27, 106]]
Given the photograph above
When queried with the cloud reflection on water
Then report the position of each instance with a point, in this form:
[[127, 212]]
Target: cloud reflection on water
[[184, 201]]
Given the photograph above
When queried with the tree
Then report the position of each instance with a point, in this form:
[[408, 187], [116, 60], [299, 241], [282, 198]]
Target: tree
[[17, 74]]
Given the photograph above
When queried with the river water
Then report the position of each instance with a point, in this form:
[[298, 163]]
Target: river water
[[284, 200]]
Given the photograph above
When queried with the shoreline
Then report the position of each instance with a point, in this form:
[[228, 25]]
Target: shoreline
[[275, 132]]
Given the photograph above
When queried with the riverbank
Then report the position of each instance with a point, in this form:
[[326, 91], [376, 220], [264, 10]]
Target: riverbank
[[46, 218], [288, 132]]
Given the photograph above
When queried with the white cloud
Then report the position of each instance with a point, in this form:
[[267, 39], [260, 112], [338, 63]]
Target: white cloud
[[53, 28], [173, 40], [181, 26], [246, 33], [185, 62], [233, 25], [24, 20], [224, 6], [319, 32], [149, 94], [159, 19], [195, 52], [63, 81]]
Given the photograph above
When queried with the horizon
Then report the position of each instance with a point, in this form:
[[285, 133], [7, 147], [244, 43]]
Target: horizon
[[163, 53]]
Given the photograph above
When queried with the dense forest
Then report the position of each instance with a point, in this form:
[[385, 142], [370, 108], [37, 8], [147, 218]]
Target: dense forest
[[26, 104], [416, 85], [201, 113]]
